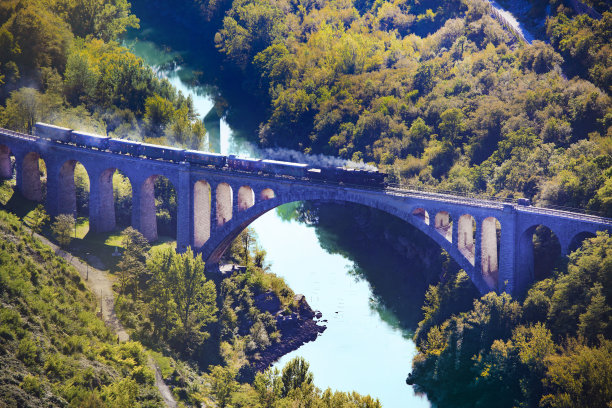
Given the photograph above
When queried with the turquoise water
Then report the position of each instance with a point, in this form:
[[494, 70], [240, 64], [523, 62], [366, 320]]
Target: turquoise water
[[363, 349]]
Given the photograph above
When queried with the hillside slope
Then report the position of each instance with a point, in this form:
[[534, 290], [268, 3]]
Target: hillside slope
[[54, 351]]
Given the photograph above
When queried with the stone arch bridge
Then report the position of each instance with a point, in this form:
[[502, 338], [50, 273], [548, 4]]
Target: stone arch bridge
[[490, 240]]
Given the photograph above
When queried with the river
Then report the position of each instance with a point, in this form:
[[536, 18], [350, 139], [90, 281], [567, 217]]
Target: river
[[365, 347]]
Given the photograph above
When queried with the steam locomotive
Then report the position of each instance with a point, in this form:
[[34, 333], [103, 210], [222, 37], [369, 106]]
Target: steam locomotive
[[363, 177]]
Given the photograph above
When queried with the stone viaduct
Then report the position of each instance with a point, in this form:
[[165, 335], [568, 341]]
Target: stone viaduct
[[490, 240]]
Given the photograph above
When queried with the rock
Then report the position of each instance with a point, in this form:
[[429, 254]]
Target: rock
[[296, 329], [267, 302]]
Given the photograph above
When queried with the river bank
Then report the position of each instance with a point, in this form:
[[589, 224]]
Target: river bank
[[300, 327]]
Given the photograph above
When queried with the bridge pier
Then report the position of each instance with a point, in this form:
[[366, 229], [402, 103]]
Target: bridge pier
[[184, 213], [29, 180], [102, 202], [5, 163], [202, 214], [148, 218]]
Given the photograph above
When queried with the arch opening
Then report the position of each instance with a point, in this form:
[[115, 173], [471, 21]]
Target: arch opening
[[267, 194], [489, 242], [578, 239], [115, 200], [539, 254], [122, 196], [444, 225], [466, 237], [158, 208], [223, 203], [246, 198], [422, 215], [73, 194], [33, 177], [201, 212]]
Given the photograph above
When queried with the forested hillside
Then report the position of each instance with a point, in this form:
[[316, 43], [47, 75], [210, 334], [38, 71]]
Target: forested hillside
[[552, 349], [60, 62], [436, 95]]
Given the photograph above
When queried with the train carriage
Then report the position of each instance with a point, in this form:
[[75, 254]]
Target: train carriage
[[161, 152], [52, 132], [244, 164], [85, 139], [284, 168], [205, 158], [124, 146]]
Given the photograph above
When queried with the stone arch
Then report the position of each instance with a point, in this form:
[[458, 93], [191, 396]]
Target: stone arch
[[422, 215], [157, 191], [539, 251], [246, 198], [214, 248], [444, 225], [6, 167], [33, 173], [489, 251], [224, 202], [201, 212], [266, 194], [466, 237], [578, 239]]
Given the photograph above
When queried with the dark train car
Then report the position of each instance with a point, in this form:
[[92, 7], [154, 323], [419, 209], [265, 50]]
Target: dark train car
[[284, 168], [124, 146], [524, 202], [52, 132], [85, 139], [244, 164], [348, 176], [162, 152], [205, 158]]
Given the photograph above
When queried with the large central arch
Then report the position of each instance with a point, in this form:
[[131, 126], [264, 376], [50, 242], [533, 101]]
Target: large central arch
[[219, 241]]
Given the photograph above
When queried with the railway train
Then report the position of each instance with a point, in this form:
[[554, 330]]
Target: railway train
[[372, 178]]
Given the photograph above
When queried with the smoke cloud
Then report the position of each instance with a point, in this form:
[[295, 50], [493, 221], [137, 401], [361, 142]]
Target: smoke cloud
[[283, 154]]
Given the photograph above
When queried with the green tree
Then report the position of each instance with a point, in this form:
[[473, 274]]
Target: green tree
[[63, 228], [131, 267], [223, 383], [451, 124], [194, 296], [295, 375], [134, 244], [39, 219], [162, 307], [104, 19]]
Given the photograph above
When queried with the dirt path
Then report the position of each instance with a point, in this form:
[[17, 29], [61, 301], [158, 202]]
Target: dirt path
[[101, 284]]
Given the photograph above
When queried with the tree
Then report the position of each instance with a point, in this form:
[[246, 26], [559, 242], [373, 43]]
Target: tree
[[62, 229], [223, 384], [268, 386], [162, 308], [295, 375], [39, 219], [132, 264], [134, 244], [194, 297]]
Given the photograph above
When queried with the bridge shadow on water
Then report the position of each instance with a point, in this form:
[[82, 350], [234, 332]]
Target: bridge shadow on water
[[398, 261]]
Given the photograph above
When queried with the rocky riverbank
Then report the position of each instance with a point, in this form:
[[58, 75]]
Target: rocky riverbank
[[300, 327]]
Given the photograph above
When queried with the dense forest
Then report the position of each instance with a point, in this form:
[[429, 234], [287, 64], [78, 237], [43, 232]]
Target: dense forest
[[434, 94]]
